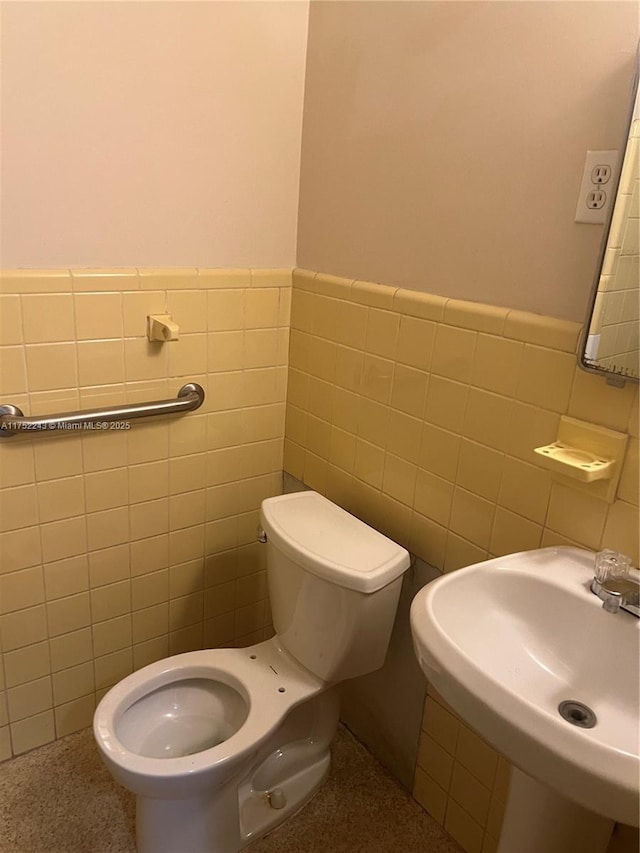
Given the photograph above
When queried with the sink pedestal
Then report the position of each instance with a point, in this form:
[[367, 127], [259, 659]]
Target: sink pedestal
[[538, 820]]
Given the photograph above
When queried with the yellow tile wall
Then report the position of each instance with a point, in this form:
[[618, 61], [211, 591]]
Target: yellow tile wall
[[420, 415], [122, 547], [417, 413]]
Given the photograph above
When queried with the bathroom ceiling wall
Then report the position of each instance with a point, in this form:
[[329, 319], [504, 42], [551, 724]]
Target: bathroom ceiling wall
[[444, 143], [157, 134]]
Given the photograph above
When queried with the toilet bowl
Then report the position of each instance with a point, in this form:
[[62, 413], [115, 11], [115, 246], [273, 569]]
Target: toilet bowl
[[221, 745]]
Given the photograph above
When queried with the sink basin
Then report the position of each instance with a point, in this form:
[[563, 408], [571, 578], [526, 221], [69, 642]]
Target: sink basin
[[506, 641]]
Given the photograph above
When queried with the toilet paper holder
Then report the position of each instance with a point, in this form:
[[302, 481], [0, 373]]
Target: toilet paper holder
[[160, 327]]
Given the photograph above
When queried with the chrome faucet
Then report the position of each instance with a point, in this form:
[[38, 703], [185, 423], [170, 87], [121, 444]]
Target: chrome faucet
[[618, 594]]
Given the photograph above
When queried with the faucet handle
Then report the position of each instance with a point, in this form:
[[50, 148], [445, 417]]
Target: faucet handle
[[619, 592], [611, 564]]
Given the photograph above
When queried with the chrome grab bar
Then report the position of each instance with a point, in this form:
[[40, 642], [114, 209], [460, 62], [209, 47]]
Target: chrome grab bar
[[13, 421]]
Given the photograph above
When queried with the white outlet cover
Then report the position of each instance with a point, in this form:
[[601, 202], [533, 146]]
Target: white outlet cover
[[584, 211]]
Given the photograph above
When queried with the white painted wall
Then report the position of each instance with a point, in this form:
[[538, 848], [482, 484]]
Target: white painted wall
[[151, 134], [444, 144]]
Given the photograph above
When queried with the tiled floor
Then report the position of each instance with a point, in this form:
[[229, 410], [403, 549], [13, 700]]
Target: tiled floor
[[60, 799]]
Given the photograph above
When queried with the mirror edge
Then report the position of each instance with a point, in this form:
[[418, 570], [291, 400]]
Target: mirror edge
[[613, 379]]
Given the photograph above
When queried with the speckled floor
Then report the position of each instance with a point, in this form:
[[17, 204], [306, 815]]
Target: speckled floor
[[60, 799]]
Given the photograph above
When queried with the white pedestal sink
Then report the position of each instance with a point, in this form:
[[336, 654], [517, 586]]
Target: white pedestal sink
[[506, 642]]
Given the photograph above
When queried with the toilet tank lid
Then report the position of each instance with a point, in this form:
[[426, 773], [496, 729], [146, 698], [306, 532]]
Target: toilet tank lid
[[331, 543]]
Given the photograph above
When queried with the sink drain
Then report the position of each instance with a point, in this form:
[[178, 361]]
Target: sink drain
[[577, 714]]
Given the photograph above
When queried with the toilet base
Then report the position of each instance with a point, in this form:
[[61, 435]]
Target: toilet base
[[281, 778], [194, 825], [262, 809]]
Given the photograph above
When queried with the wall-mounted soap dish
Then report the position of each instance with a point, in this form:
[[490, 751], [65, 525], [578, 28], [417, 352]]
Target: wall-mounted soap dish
[[573, 462], [587, 454]]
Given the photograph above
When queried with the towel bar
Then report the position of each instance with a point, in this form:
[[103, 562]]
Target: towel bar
[[13, 421]]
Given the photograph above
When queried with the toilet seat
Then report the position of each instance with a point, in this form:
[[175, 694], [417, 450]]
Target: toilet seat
[[265, 676]]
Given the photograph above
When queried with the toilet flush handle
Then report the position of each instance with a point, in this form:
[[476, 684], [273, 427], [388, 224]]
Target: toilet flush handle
[[262, 536]]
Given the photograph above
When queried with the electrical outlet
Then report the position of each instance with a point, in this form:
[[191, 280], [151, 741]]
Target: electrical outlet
[[600, 174], [594, 200]]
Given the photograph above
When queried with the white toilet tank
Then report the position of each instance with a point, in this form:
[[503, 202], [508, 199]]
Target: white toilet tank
[[334, 584]]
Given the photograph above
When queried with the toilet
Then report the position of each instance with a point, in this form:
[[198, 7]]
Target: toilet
[[222, 745]]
